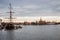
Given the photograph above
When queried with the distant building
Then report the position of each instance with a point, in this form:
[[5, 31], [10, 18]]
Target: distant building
[[41, 22]]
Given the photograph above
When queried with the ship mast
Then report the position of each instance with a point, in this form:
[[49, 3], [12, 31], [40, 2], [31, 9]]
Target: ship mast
[[10, 12]]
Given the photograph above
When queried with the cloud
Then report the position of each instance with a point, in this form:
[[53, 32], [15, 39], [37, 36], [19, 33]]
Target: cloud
[[33, 7]]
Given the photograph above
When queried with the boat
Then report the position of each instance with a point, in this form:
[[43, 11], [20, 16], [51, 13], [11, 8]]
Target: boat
[[10, 25]]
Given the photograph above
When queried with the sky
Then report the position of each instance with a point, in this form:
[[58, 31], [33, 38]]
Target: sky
[[30, 8]]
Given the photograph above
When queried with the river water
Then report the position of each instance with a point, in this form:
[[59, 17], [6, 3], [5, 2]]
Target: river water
[[32, 32]]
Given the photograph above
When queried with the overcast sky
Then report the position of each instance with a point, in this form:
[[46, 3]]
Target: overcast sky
[[31, 7]]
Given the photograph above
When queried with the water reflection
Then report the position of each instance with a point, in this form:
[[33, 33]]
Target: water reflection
[[7, 35], [10, 35]]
